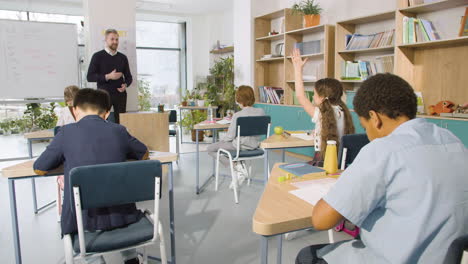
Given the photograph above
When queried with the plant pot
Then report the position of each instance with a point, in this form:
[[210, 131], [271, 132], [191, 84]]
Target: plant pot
[[311, 20], [160, 108], [192, 103], [200, 135], [201, 103], [184, 103]]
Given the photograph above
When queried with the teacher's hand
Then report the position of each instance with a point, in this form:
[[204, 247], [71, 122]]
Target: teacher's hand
[[114, 75], [122, 88]]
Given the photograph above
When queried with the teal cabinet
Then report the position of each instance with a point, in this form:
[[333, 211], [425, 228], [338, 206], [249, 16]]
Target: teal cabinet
[[357, 125], [458, 128]]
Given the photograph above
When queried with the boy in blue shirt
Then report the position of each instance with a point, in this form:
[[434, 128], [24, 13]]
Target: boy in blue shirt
[[407, 190], [92, 140]]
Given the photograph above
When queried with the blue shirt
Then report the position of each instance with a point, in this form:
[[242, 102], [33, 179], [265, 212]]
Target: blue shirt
[[408, 192], [90, 141]]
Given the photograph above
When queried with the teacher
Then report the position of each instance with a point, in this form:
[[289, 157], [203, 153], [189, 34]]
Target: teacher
[[109, 68]]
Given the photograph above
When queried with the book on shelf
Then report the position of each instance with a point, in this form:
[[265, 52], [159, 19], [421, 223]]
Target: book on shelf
[[310, 47], [308, 94], [418, 30], [271, 95], [377, 40], [361, 70]]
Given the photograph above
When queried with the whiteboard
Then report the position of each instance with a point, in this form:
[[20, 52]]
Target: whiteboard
[[37, 59]]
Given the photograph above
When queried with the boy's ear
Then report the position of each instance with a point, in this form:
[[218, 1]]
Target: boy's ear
[[375, 120]]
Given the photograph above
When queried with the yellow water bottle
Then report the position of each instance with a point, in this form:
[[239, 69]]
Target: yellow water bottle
[[331, 158]]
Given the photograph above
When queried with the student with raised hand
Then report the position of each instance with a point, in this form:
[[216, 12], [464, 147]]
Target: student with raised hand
[[329, 113], [93, 140], [407, 189]]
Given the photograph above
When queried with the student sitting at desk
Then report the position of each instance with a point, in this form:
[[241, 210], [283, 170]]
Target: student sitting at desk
[[329, 113], [245, 98], [407, 190], [92, 140]]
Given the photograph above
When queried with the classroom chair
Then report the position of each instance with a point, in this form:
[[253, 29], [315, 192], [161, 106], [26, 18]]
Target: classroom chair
[[175, 131], [251, 126], [350, 146], [456, 250], [106, 185]]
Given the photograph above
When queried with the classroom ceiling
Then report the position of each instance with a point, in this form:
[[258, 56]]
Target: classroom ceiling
[[189, 7]]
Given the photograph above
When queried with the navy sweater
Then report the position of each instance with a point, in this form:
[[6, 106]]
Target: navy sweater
[[103, 63]]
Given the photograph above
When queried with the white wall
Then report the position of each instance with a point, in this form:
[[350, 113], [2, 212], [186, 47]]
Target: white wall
[[333, 11]]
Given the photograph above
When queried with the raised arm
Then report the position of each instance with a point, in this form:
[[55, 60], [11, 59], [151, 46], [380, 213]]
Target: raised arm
[[299, 84]]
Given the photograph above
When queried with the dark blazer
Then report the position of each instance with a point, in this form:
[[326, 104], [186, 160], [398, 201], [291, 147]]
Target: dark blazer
[[90, 141]]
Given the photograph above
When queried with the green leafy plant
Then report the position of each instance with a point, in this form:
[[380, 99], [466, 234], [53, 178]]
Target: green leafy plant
[[191, 118], [144, 95], [38, 117], [5, 126], [221, 89], [307, 7]]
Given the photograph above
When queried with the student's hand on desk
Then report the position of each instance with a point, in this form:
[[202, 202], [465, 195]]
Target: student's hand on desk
[[122, 88], [113, 75], [297, 60]]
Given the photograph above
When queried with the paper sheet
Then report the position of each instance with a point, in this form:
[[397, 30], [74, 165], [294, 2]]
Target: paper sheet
[[303, 136], [312, 191], [224, 122]]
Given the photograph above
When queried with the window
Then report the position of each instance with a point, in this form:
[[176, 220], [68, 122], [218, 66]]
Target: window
[[161, 60]]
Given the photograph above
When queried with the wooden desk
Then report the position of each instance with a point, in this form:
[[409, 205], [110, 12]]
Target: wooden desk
[[205, 126], [49, 133], [281, 142], [280, 212], [151, 128], [25, 170]]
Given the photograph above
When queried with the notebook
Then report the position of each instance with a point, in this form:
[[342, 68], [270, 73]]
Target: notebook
[[300, 169]]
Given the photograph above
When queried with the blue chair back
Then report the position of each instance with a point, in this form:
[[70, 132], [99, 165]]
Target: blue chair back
[[56, 130], [353, 143], [111, 184], [172, 116], [253, 125], [455, 251], [111, 117]]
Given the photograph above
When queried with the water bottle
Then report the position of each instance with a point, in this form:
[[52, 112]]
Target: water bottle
[[331, 158], [210, 113]]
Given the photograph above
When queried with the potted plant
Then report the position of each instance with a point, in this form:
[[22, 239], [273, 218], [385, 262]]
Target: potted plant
[[5, 125], [184, 100], [221, 85], [144, 95], [190, 119], [310, 10]]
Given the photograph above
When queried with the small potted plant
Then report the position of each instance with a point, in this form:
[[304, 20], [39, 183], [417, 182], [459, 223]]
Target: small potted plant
[[310, 10], [190, 119], [184, 100]]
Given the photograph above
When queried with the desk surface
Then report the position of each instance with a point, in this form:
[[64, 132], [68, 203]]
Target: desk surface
[[25, 169], [49, 133], [278, 211], [203, 126], [282, 141]]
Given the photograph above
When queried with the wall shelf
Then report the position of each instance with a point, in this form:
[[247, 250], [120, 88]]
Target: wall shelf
[[437, 43], [271, 59], [369, 19], [272, 37], [434, 6], [316, 55], [369, 50], [223, 50], [308, 30]]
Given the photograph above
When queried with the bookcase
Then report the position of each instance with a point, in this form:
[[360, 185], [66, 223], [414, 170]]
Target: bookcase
[[438, 69], [279, 71]]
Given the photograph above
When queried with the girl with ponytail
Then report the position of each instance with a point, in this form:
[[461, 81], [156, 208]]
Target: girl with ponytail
[[329, 113]]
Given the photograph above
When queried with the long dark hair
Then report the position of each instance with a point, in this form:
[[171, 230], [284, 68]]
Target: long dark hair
[[332, 91]]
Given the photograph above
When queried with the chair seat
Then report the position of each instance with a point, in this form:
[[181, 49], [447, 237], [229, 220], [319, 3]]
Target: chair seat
[[130, 235], [247, 153], [172, 133]]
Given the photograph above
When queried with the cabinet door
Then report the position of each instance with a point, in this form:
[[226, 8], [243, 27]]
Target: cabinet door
[[435, 122], [458, 128]]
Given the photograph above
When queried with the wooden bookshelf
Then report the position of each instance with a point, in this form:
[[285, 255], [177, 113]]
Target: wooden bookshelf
[[435, 68], [351, 26], [434, 6], [223, 50], [279, 72]]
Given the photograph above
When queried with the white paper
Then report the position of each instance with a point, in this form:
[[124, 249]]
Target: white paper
[[312, 191], [224, 122], [303, 136]]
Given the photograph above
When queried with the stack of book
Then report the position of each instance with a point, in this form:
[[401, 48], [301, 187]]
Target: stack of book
[[271, 95], [309, 47], [361, 70], [418, 30], [377, 40]]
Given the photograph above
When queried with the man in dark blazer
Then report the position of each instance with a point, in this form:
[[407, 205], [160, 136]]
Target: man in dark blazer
[[110, 69], [92, 140]]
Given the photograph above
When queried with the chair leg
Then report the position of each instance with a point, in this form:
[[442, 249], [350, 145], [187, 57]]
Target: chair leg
[[145, 256], [67, 244], [330, 236], [177, 146], [59, 202], [162, 245], [217, 172], [234, 179], [249, 171]]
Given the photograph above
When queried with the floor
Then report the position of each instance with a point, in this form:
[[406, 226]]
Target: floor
[[210, 227]]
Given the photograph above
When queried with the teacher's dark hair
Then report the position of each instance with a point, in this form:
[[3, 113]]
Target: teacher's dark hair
[[91, 99], [111, 31]]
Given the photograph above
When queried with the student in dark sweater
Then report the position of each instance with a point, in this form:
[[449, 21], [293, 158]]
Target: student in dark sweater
[[109, 68]]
